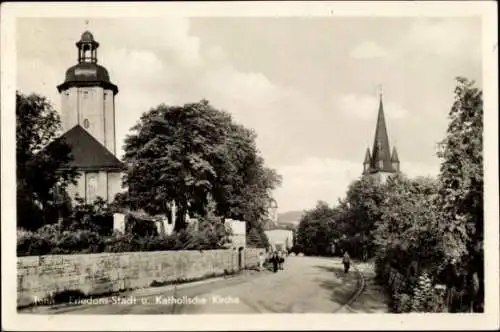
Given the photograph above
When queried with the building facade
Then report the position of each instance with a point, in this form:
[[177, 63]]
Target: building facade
[[238, 233], [380, 163], [88, 123], [280, 239]]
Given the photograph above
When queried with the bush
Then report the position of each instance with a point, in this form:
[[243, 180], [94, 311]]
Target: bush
[[32, 244], [81, 234], [95, 217], [82, 241], [402, 303], [140, 227], [119, 242], [50, 232]]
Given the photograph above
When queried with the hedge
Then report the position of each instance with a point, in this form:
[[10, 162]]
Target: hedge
[[49, 240]]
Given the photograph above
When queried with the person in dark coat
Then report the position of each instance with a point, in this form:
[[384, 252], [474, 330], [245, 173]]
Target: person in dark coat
[[280, 260], [346, 260], [275, 261]]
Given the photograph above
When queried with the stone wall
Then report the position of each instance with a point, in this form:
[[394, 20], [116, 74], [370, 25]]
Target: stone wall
[[41, 276]]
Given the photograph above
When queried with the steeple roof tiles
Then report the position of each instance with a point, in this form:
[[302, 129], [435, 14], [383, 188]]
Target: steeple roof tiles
[[381, 153]]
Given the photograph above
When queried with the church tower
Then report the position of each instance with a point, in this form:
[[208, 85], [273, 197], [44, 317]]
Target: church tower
[[88, 123], [381, 163], [88, 96]]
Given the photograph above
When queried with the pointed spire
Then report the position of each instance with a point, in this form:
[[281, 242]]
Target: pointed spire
[[394, 157], [368, 157], [381, 157]]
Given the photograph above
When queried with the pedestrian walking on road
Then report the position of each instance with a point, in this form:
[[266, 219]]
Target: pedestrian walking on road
[[274, 260], [346, 260], [281, 260]]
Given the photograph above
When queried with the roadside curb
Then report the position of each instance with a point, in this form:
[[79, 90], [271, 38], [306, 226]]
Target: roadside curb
[[361, 284]]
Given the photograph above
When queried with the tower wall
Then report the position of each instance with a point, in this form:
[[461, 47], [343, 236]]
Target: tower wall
[[366, 167], [69, 112], [93, 109], [92, 184], [109, 120], [382, 177]]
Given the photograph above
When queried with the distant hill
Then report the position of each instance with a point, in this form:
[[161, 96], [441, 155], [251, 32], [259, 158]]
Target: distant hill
[[290, 217], [286, 220]]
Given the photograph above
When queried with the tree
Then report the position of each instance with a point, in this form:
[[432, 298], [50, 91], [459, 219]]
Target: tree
[[461, 182], [314, 231], [41, 170], [191, 154], [355, 217], [244, 184], [363, 199], [409, 223]]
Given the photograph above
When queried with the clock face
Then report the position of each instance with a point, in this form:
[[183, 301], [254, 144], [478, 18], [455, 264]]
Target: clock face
[[86, 123]]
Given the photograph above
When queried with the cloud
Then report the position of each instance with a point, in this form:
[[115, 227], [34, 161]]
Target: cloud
[[369, 50], [314, 179], [327, 179], [456, 39], [447, 38], [46, 80], [366, 107]]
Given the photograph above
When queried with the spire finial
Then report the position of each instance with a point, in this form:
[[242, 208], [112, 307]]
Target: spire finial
[[86, 24], [380, 91]]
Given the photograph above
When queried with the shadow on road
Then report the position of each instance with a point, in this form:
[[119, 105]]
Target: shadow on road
[[341, 285]]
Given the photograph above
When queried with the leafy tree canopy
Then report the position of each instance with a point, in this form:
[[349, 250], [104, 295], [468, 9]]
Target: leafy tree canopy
[[191, 154], [409, 221], [462, 185], [314, 230], [41, 168], [461, 176]]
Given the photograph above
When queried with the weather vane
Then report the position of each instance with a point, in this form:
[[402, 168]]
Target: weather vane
[[86, 24]]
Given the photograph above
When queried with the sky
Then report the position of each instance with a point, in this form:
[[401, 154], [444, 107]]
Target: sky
[[307, 86]]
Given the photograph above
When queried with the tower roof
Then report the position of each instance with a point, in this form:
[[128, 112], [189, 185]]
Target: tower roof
[[394, 157], [381, 152], [368, 158], [87, 36], [87, 73], [87, 152]]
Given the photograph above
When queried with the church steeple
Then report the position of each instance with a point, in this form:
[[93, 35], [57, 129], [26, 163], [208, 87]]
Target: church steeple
[[381, 156], [88, 123], [87, 95], [381, 163]]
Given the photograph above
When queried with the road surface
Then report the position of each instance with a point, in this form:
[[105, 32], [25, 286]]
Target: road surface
[[307, 285]]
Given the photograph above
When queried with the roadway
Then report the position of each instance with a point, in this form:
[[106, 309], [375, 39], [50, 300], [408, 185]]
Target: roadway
[[306, 285]]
